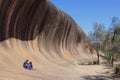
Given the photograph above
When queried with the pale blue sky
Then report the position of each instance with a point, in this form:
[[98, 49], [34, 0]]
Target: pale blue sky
[[87, 12]]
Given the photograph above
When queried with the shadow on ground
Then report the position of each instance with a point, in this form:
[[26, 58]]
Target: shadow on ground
[[97, 77], [116, 77]]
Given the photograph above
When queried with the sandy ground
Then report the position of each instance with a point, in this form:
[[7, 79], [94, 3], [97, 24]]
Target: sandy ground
[[94, 72], [55, 72]]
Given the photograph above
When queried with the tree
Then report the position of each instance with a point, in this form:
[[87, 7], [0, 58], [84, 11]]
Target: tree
[[112, 42], [107, 48], [115, 39], [96, 37]]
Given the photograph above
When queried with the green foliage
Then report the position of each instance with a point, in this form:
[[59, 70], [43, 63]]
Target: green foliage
[[108, 41]]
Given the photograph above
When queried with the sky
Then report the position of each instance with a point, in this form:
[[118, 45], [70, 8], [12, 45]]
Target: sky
[[86, 12]]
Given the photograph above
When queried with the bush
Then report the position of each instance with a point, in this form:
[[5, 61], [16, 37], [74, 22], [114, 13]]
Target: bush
[[117, 69], [95, 62], [89, 63]]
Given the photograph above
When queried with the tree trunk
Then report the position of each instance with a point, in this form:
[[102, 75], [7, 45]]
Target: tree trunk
[[112, 60], [98, 54]]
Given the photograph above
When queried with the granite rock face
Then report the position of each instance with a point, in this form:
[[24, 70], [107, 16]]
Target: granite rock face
[[38, 27]]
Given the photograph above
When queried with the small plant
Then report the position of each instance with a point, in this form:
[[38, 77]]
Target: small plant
[[89, 63], [95, 62], [117, 69]]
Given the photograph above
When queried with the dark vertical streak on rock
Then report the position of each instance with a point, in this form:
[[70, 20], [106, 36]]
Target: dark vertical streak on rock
[[3, 15]]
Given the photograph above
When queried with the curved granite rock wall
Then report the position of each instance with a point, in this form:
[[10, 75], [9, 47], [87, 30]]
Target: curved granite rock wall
[[38, 27]]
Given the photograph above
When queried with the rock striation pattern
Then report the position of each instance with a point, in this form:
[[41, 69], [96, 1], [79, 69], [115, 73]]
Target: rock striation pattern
[[32, 27]]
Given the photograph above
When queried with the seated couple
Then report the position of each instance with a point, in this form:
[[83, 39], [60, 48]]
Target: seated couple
[[28, 65]]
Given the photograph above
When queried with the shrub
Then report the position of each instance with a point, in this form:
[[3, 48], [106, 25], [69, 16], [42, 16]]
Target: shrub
[[117, 69], [95, 62]]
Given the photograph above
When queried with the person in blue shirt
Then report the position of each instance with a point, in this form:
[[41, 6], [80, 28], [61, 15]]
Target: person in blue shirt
[[25, 64]]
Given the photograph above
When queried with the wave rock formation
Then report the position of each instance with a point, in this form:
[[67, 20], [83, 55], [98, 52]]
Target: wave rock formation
[[38, 31]]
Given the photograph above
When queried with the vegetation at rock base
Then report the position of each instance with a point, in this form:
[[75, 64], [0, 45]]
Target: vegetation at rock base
[[107, 41]]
